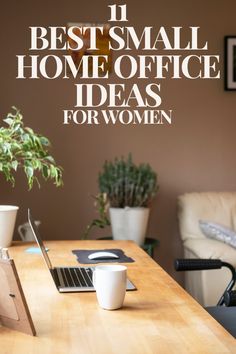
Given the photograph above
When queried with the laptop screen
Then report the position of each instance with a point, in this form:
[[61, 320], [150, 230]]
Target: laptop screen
[[38, 239]]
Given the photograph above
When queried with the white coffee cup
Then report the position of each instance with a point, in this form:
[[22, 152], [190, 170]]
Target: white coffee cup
[[25, 231], [110, 284]]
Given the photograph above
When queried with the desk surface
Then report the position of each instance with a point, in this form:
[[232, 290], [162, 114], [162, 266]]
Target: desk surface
[[158, 318]]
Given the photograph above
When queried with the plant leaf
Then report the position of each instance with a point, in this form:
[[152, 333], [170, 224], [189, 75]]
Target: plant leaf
[[14, 165], [9, 121]]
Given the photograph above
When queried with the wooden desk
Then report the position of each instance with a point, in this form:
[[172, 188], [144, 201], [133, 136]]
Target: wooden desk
[[158, 318]]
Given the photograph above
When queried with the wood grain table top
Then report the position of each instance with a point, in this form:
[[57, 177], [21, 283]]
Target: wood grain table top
[[160, 317]]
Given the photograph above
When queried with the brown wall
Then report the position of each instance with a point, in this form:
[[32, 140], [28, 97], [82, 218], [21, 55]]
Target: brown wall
[[195, 153]]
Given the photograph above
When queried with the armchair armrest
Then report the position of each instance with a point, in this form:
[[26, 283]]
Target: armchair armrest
[[208, 248]]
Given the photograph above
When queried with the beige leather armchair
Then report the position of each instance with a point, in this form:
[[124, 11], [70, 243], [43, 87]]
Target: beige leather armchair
[[206, 286]]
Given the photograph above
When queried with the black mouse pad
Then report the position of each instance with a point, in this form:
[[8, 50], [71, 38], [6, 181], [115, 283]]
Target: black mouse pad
[[82, 256]]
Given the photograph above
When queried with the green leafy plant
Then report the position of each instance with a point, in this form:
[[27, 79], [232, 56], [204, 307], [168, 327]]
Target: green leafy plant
[[127, 184], [20, 147], [102, 221], [124, 184]]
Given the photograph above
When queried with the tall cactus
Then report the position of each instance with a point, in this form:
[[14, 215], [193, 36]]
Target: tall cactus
[[127, 184]]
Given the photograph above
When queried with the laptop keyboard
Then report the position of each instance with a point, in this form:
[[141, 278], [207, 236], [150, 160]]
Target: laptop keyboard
[[75, 277]]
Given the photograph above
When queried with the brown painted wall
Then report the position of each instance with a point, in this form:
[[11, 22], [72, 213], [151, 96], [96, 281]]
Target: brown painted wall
[[195, 153]]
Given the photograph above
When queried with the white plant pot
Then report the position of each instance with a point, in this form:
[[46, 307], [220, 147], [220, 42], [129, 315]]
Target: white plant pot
[[129, 223], [7, 224]]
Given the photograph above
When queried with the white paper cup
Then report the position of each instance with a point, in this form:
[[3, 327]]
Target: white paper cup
[[110, 284]]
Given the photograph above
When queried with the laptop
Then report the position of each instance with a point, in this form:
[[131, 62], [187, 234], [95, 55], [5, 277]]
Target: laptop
[[67, 279]]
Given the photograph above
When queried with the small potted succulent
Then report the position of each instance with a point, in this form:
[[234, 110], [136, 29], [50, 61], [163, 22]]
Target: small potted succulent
[[128, 189], [22, 148]]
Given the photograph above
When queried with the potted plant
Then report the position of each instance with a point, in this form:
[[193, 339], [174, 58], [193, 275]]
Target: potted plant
[[21, 148], [129, 190]]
